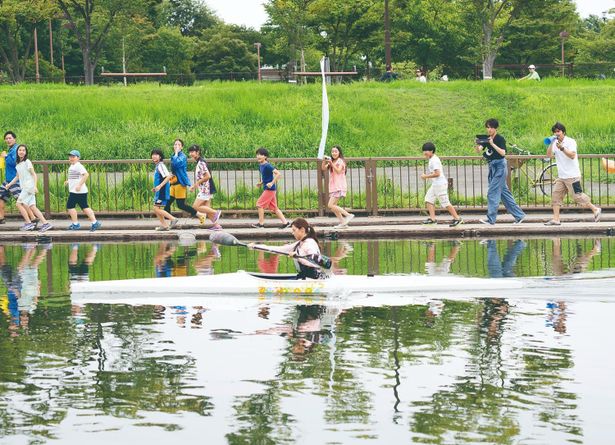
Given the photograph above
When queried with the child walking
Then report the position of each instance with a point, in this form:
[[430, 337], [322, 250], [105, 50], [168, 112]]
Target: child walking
[[204, 182], [162, 191], [179, 179], [78, 193], [26, 200], [439, 187], [268, 200], [337, 185]]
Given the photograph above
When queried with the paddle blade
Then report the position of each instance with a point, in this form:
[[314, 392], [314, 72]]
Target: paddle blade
[[224, 239]]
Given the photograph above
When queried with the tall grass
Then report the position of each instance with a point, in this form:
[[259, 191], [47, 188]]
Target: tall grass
[[368, 119]]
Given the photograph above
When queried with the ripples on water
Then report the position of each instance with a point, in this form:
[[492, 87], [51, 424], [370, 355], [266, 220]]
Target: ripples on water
[[535, 369]]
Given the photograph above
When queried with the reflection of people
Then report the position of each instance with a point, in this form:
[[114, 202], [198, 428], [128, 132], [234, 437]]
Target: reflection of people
[[268, 262], [341, 252], [163, 264], [532, 75], [494, 151], [306, 245], [564, 149], [80, 271], [205, 258], [444, 268], [556, 318], [503, 268]]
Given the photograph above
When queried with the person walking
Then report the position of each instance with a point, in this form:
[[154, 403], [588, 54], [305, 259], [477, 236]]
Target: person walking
[[439, 187], [78, 193], [204, 183], [161, 191], [26, 202], [564, 149], [337, 185], [268, 199], [14, 191], [494, 151], [179, 180]]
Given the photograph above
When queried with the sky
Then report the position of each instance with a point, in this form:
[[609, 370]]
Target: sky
[[251, 12]]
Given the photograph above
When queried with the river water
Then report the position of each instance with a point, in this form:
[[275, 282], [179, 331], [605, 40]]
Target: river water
[[531, 368]]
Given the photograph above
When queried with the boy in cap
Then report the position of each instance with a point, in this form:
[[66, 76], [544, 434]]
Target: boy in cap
[[532, 75], [78, 192]]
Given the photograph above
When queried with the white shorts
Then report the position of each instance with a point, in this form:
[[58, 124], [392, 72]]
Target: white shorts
[[204, 196], [27, 198], [440, 192]]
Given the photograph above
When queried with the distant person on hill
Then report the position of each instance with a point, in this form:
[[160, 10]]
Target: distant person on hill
[[532, 75], [268, 200], [420, 76], [78, 193], [389, 75], [162, 191], [439, 187], [564, 149], [11, 165], [336, 165], [204, 183], [26, 202], [179, 180], [494, 151]]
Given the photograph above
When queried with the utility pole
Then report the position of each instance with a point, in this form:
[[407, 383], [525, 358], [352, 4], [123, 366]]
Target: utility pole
[[124, 60], [563, 35], [258, 55], [387, 36], [50, 43], [38, 75]]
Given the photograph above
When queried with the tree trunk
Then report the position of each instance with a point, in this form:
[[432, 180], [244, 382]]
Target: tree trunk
[[488, 62]]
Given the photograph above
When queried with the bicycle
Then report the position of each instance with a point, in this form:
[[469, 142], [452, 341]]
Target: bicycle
[[544, 180]]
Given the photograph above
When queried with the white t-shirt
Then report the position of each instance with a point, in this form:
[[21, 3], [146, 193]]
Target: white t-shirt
[[26, 180], [566, 167], [436, 164], [75, 173]]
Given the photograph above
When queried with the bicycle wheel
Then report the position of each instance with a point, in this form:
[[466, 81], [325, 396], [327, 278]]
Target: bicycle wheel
[[547, 179]]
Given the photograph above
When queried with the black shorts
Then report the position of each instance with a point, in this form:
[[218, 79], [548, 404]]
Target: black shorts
[[77, 199]]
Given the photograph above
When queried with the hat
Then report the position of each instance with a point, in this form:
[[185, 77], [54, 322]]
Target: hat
[[74, 153], [532, 67]]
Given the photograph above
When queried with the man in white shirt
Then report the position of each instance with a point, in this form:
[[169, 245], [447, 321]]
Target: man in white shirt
[[439, 187], [564, 149]]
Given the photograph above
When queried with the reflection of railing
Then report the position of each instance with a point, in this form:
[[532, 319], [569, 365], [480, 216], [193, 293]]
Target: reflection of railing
[[376, 186]]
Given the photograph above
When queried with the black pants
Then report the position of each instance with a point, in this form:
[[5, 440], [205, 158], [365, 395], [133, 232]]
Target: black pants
[[181, 204]]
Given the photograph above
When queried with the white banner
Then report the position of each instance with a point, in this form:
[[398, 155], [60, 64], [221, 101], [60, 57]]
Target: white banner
[[325, 111]]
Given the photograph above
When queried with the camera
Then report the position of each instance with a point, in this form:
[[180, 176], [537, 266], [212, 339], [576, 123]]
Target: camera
[[482, 139], [327, 158]]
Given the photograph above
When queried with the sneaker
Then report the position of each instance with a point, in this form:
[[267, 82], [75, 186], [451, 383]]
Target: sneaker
[[216, 216], [429, 222], [519, 221], [341, 226], [95, 226], [286, 225], [27, 227], [74, 226], [257, 226], [2, 221], [349, 218], [216, 227], [202, 220], [162, 229], [553, 223], [45, 227], [35, 221], [486, 222], [173, 223], [597, 215], [456, 222]]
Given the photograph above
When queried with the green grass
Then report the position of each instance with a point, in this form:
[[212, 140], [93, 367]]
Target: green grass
[[367, 119]]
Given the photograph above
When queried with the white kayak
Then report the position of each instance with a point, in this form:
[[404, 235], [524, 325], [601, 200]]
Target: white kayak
[[248, 283]]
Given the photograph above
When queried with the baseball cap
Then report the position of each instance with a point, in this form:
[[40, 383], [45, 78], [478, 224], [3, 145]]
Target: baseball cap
[[532, 67], [75, 153]]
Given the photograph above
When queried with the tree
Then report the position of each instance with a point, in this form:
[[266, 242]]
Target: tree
[[89, 17], [190, 16], [220, 51], [494, 17], [17, 22]]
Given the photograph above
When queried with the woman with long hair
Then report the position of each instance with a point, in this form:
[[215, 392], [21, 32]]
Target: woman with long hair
[[337, 185]]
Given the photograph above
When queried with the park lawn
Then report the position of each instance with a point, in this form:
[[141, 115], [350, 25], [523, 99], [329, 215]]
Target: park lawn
[[232, 119]]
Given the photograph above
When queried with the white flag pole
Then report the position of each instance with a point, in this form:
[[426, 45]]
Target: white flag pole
[[325, 111]]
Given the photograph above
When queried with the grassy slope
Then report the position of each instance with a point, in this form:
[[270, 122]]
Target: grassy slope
[[232, 119]]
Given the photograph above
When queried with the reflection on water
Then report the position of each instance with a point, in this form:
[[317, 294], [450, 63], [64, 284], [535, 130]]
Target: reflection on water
[[488, 370]]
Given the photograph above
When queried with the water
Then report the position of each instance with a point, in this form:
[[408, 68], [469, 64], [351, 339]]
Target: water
[[533, 369]]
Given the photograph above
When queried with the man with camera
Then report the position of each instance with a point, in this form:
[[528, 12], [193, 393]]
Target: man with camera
[[493, 146], [564, 149]]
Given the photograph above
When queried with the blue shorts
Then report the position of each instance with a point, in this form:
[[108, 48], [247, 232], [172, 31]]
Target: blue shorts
[[160, 202], [14, 191]]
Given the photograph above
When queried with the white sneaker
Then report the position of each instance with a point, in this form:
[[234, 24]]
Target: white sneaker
[[348, 218], [341, 226]]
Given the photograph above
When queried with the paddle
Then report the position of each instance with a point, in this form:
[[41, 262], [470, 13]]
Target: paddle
[[226, 239]]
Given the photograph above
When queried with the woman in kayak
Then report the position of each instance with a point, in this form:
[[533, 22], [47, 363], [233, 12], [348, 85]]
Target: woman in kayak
[[306, 245]]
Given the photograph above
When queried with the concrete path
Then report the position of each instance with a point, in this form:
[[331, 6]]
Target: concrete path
[[577, 223]]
